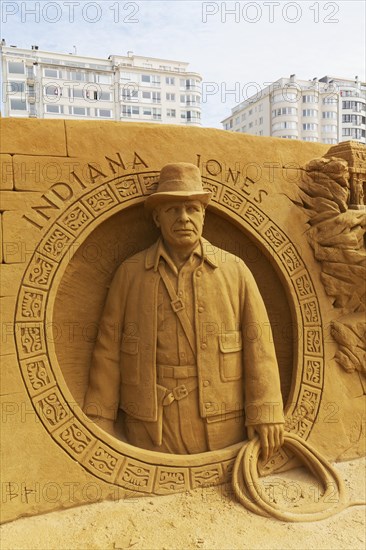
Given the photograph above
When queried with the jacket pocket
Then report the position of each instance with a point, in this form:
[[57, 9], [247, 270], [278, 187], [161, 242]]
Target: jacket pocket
[[231, 356], [130, 360]]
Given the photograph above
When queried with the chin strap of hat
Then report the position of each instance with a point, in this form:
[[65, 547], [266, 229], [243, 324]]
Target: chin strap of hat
[[250, 492]]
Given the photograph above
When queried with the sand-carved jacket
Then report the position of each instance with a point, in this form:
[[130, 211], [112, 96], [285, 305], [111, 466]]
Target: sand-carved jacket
[[236, 361]]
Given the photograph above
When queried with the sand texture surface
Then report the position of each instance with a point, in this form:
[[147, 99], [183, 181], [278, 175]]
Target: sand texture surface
[[204, 519]]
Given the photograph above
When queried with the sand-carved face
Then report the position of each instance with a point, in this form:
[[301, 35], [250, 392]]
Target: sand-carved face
[[180, 222]]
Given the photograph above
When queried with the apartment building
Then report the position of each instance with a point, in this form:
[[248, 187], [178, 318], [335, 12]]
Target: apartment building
[[54, 85], [327, 110]]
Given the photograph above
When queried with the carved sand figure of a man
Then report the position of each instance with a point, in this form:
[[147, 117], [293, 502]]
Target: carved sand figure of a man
[[182, 347]]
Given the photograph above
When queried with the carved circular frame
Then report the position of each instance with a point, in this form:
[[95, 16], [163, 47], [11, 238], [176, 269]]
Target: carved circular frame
[[105, 457]]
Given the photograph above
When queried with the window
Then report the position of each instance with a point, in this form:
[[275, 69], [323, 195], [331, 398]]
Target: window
[[237, 120], [190, 99], [155, 80], [146, 111], [250, 124], [189, 83], [171, 113], [290, 97], [349, 93], [53, 91], [156, 97], [156, 113], [261, 132], [145, 78], [310, 126], [329, 114], [18, 105], [16, 87], [30, 71], [243, 128], [310, 138], [193, 115], [354, 105], [310, 112], [331, 141], [146, 95], [103, 113], [79, 76], [130, 94], [260, 121], [56, 109], [170, 80], [283, 125], [309, 99], [92, 95], [260, 107], [125, 76], [170, 97], [243, 116], [79, 111], [104, 96], [77, 92], [130, 110], [51, 73], [352, 119], [327, 128], [354, 133], [330, 99], [284, 111], [250, 112], [100, 78], [129, 77], [16, 67]]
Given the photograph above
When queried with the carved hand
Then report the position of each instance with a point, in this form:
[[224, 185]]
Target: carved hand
[[270, 436]]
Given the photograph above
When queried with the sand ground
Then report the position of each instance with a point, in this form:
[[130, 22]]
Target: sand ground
[[204, 519]]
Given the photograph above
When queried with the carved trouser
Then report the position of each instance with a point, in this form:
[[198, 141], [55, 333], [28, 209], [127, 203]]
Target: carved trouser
[[182, 429]]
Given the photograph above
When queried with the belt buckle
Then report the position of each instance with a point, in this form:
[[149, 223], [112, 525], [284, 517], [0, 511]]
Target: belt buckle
[[180, 392], [177, 305]]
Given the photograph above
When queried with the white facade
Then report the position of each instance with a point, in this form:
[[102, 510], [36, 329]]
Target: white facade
[[53, 85], [328, 110]]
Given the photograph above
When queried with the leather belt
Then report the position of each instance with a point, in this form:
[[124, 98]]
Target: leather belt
[[183, 371], [178, 393]]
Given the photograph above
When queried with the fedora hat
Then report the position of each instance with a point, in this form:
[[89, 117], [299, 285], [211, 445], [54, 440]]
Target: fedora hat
[[181, 180]]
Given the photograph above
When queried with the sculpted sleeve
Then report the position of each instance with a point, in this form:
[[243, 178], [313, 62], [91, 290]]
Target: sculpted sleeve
[[102, 396], [263, 400]]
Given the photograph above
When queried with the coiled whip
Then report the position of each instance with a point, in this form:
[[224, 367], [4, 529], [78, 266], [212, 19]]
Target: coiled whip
[[249, 489]]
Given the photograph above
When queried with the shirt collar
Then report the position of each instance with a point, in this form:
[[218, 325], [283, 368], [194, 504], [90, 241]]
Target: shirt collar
[[204, 250]]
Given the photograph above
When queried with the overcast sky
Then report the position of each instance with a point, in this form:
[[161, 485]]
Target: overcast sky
[[250, 43]]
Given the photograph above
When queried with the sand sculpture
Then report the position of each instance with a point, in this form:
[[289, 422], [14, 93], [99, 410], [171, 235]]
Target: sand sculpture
[[173, 312], [73, 197]]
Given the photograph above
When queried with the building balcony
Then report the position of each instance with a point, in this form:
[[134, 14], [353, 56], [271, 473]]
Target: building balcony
[[191, 88]]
